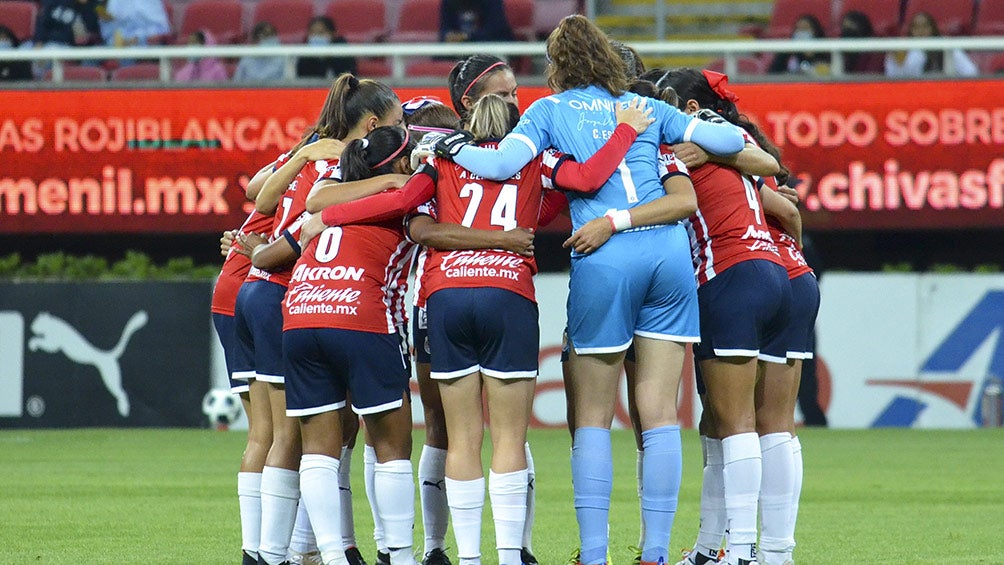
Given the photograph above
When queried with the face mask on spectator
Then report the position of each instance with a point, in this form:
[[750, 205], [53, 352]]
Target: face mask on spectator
[[274, 40], [802, 34], [6, 44], [318, 40]]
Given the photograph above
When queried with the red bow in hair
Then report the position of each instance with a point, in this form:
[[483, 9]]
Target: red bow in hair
[[718, 82]]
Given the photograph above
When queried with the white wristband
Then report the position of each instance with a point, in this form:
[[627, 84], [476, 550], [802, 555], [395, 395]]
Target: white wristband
[[619, 219]]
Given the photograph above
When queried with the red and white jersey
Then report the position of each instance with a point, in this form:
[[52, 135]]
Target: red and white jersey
[[236, 266], [469, 200], [791, 253], [291, 213], [729, 226], [352, 277], [422, 258]]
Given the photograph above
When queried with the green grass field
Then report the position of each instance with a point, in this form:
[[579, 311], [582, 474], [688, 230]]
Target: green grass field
[[169, 496]]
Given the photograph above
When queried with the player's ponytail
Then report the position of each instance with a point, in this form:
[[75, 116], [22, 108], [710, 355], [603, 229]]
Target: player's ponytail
[[492, 118], [376, 153]]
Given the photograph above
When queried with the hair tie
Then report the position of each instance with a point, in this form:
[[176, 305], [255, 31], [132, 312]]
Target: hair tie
[[718, 83], [366, 142], [397, 152], [479, 77]]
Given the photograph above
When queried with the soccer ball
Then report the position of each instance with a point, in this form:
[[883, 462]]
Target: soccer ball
[[222, 407]]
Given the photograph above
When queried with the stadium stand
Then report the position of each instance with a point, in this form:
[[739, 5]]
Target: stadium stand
[[520, 14], [81, 73], [954, 17], [290, 18], [787, 12], [137, 72], [359, 21], [224, 18], [419, 22], [19, 17], [989, 18], [884, 14]]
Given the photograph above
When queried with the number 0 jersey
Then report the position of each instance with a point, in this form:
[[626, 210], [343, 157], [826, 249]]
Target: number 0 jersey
[[353, 278]]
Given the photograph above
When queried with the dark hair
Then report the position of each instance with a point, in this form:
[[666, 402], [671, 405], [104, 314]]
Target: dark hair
[[261, 28], [9, 33], [935, 62], [199, 36], [644, 88], [581, 55], [860, 21], [376, 153], [349, 100], [633, 64], [329, 24], [433, 116], [817, 27], [690, 84], [465, 76], [666, 93]]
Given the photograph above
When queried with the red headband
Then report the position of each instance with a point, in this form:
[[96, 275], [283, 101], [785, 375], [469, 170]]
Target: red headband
[[479, 77], [396, 152], [718, 82]]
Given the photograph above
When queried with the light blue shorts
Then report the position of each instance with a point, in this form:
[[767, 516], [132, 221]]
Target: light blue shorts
[[639, 283]]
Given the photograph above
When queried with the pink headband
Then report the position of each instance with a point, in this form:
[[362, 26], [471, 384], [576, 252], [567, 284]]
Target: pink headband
[[397, 152], [430, 129], [479, 77]]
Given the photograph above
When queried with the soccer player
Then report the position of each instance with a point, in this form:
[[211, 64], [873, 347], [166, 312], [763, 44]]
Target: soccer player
[[652, 299]]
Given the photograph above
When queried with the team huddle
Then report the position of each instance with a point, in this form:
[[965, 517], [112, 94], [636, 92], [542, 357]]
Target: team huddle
[[683, 232]]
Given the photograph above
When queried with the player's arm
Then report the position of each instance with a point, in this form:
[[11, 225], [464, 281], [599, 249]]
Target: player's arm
[[783, 210], [716, 138], [552, 204], [275, 254], [751, 160], [530, 137], [268, 199], [329, 192], [424, 230], [257, 182]]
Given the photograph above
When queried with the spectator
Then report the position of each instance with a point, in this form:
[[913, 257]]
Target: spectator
[[856, 25], [914, 63], [473, 20], [809, 62], [67, 22], [12, 70], [322, 32], [251, 69], [126, 23], [201, 68]]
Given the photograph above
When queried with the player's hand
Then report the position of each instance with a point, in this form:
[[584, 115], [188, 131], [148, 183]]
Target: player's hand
[[591, 236], [789, 193], [246, 243], [635, 114], [690, 154], [425, 148], [517, 240], [449, 146], [322, 150], [227, 241], [311, 229]]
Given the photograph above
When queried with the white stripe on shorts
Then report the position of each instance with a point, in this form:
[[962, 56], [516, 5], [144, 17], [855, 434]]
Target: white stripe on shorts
[[315, 410], [276, 379], [455, 374], [601, 350], [772, 358], [238, 389], [737, 352], [242, 375], [379, 408], [668, 337], [507, 375], [798, 355]]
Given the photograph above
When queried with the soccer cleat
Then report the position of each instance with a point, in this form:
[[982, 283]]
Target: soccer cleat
[[247, 559], [354, 557], [573, 559], [636, 552], [694, 557], [526, 557], [436, 557], [382, 558], [309, 558]]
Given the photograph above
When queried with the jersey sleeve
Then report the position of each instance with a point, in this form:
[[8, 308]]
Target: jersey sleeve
[[552, 203], [675, 126], [669, 165], [533, 128], [420, 188], [333, 171], [591, 175]]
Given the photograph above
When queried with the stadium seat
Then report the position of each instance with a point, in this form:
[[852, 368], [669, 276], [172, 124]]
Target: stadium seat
[[19, 17], [139, 71], [519, 13], [787, 12], [990, 63], [221, 17], [990, 18], [746, 65], [548, 13], [360, 21], [429, 68], [884, 14], [419, 22], [80, 73], [371, 67], [290, 18], [954, 17]]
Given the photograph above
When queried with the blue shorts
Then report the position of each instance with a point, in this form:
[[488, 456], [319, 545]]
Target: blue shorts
[[420, 331], [327, 363], [638, 283], [226, 330], [796, 338], [491, 330], [743, 310], [258, 317]]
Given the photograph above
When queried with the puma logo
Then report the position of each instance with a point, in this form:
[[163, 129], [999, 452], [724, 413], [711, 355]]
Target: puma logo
[[441, 485], [54, 335]]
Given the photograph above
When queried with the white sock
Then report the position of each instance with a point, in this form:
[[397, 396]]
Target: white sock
[[507, 492], [345, 492], [638, 473], [249, 499], [713, 519], [796, 486], [395, 491], [742, 471], [369, 468], [280, 495], [432, 488], [775, 495], [531, 500], [467, 499], [302, 541], [318, 480]]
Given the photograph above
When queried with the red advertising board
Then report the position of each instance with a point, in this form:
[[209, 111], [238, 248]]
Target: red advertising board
[[871, 156]]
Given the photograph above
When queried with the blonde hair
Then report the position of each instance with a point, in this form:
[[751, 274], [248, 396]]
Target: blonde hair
[[490, 118]]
